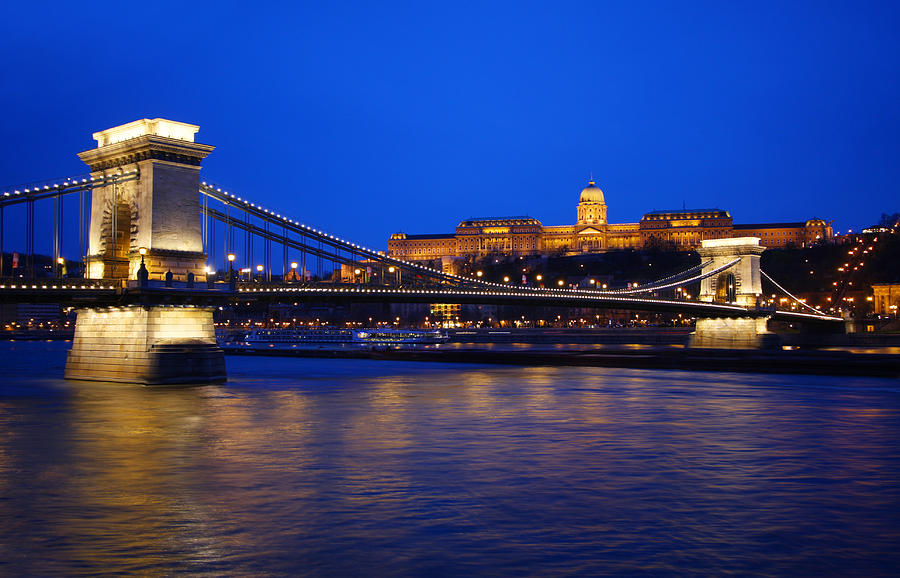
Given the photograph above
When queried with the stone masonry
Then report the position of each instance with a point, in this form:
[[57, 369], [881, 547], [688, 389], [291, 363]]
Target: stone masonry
[[149, 345]]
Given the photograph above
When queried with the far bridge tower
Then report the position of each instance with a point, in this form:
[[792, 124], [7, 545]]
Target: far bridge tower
[[740, 284]]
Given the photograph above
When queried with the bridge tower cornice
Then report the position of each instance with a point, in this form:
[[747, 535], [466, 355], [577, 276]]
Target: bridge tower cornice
[[730, 251], [146, 147]]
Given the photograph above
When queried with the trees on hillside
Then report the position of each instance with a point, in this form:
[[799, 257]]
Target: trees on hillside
[[892, 220]]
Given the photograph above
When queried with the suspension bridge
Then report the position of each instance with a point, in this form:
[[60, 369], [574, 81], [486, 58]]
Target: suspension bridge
[[159, 249]]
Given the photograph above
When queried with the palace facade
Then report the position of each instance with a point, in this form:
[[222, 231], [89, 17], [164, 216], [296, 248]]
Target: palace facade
[[679, 230]]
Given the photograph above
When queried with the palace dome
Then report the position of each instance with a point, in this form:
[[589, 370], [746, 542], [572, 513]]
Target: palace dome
[[591, 194]]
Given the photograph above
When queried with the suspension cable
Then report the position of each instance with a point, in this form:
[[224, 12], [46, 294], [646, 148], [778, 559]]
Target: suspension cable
[[653, 284], [686, 281], [789, 294]]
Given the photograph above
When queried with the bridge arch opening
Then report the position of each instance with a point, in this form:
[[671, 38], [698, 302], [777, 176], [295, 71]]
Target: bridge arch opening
[[725, 288], [116, 239]]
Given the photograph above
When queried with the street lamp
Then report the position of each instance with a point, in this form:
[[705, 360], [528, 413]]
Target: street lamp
[[506, 279], [59, 266], [479, 273], [259, 270], [539, 277], [560, 282], [294, 276], [142, 274], [230, 266]]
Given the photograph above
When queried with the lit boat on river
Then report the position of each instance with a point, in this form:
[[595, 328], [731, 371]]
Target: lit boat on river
[[325, 336]]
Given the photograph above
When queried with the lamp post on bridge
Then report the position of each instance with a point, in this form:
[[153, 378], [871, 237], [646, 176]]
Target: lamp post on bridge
[[232, 281], [230, 266], [143, 275], [293, 276]]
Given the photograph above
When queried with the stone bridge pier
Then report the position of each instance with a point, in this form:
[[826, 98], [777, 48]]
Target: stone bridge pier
[[148, 217], [740, 284]]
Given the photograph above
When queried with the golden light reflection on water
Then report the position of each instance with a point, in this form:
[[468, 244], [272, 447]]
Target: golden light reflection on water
[[323, 466]]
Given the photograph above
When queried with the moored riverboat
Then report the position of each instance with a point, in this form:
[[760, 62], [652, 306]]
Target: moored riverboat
[[336, 336]]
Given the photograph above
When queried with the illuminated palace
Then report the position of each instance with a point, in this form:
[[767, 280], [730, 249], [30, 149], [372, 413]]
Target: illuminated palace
[[591, 233]]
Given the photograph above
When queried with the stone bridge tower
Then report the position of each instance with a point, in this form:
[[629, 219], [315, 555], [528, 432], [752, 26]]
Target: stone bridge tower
[[151, 203], [740, 284]]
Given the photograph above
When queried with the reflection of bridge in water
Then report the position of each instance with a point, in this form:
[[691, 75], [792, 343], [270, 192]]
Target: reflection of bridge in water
[[145, 304]]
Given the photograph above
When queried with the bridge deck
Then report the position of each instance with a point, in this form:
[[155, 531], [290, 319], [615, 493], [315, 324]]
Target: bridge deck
[[111, 292]]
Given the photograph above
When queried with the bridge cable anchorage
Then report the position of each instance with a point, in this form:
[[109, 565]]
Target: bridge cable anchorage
[[789, 294]]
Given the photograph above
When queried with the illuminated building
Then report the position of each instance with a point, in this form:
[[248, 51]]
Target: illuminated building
[[787, 234], [886, 297], [592, 233]]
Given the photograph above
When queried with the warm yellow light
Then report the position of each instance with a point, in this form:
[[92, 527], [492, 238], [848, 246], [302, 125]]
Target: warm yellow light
[[293, 264], [357, 271], [539, 277], [560, 283], [60, 260], [506, 279], [479, 273], [142, 250], [231, 256], [593, 282], [391, 269], [259, 268]]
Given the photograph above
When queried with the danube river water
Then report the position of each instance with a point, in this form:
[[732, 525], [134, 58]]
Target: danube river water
[[355, 467]]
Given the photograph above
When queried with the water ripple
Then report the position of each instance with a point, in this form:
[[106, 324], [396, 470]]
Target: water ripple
[[323, 467]]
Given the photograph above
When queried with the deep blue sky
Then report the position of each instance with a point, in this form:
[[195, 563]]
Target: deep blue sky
[[369, 118]]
